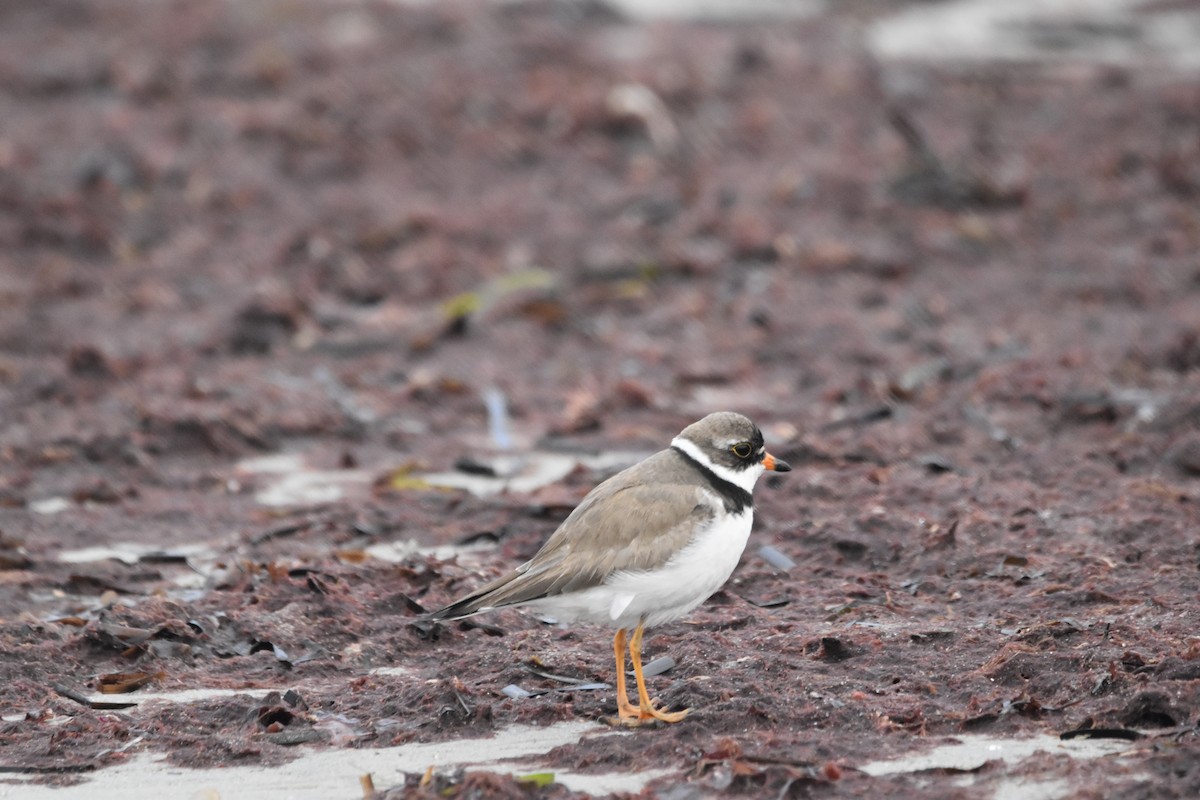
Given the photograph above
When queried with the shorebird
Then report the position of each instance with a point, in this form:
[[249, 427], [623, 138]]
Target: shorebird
[[645, 547]]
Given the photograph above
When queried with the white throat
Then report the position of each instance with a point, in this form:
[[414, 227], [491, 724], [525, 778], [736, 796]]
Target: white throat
[[744, 478]]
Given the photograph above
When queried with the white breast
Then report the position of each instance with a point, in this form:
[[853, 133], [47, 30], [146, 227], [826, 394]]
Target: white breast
[[663, 594]]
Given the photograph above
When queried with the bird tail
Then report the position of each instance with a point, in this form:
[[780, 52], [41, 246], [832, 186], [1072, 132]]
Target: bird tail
[[467, 606], [517, 587]]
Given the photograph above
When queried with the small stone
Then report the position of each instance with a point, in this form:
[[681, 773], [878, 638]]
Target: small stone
[[89, 362], [1185, 454]]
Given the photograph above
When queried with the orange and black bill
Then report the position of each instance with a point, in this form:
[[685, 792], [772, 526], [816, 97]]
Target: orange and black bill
[[774, 464]]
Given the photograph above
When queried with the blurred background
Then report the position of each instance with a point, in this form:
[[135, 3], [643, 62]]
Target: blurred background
[[410, 236], [402, 239]]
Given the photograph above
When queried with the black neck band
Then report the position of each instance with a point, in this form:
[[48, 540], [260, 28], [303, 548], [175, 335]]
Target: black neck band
[[735, 498]]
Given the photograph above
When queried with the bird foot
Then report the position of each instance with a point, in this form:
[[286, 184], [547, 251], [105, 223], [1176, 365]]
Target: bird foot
[[632, 716]]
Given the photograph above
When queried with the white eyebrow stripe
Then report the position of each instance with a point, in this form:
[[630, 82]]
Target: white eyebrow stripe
[[745, 478]]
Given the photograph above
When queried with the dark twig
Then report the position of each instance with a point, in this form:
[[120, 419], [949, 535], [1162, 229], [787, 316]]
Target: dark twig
[[57, 769], [84, 700]]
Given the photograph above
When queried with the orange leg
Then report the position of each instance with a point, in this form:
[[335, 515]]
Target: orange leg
[[647, 710], [625, 709]]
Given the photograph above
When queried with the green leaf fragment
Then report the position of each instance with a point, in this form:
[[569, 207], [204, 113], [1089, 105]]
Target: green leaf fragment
[[538, 779]]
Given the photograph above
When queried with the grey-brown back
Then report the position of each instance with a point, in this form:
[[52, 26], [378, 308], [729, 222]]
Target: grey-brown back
[[635, 520]]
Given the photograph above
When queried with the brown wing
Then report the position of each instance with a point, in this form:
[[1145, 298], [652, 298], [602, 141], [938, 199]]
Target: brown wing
[[624, 523]]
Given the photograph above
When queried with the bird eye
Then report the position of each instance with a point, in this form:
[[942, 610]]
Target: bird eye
[[741, 450]]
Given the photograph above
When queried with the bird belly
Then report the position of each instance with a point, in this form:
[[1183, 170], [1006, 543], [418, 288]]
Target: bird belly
[[664, 594]]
